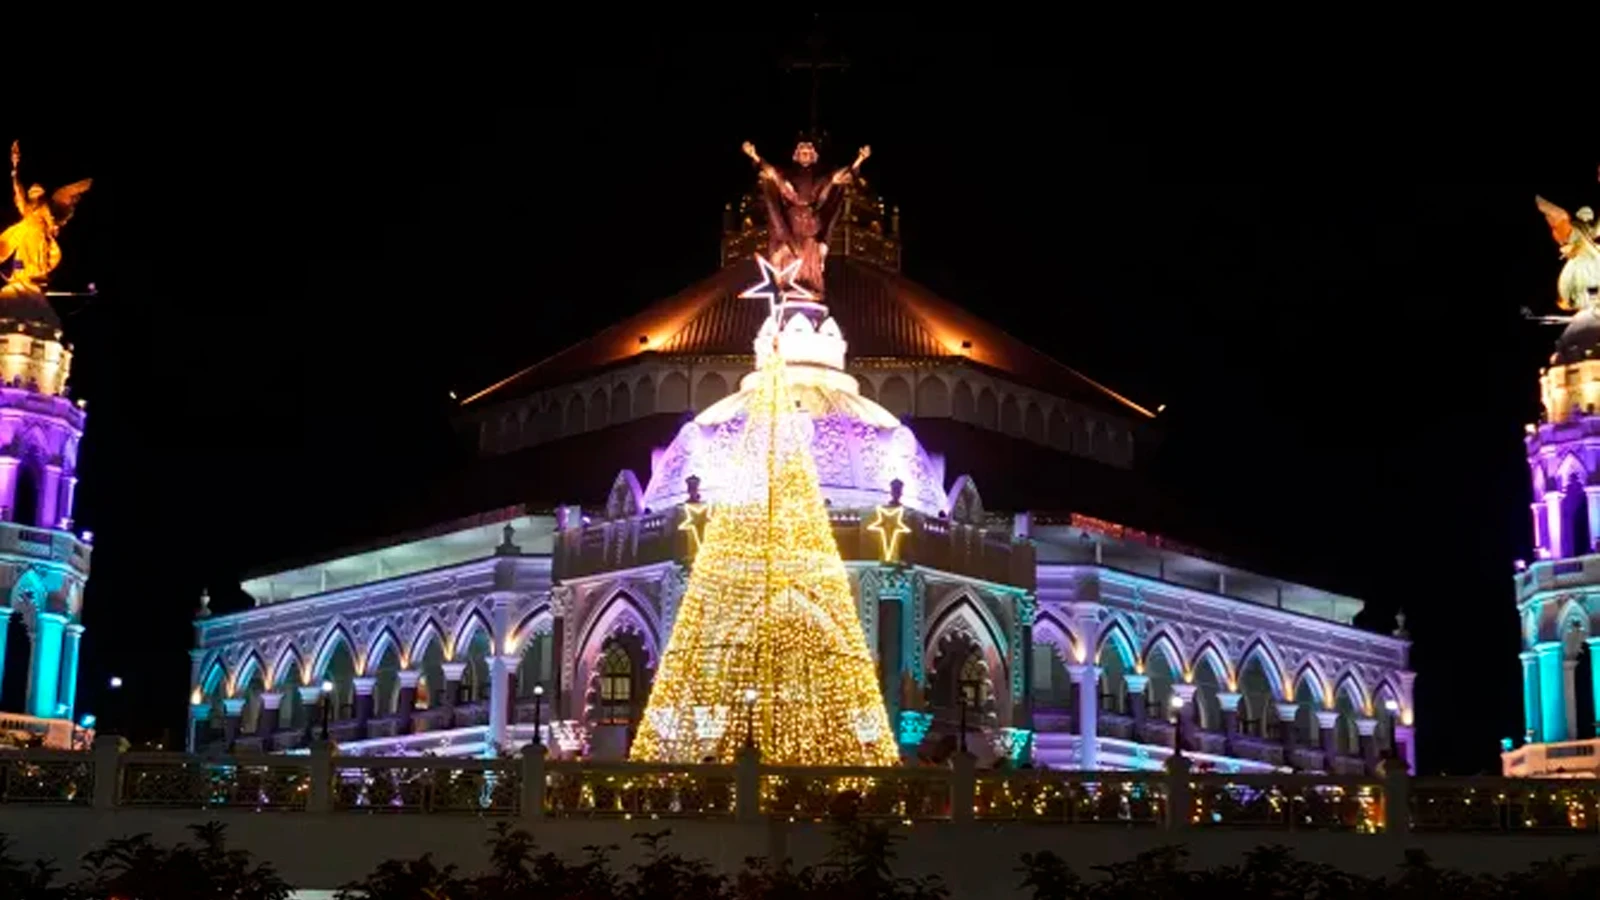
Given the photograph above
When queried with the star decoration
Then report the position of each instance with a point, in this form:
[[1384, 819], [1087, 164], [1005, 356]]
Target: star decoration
[[888, 526], [777, 286], [695, 516]]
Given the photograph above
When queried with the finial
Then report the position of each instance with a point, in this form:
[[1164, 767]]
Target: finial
[[1400, 625], [896, 487], [507, 548], [205, 605], [693, 483]]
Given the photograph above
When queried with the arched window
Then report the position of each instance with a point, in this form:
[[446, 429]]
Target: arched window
[[974, 680], [25, 506], [616, 686]]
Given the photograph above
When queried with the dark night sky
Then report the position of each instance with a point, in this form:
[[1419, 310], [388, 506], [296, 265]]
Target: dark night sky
[[1320, 279]]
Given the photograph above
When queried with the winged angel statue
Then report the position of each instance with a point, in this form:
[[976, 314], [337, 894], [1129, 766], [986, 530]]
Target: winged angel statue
[[1578, 286], [28, 249]]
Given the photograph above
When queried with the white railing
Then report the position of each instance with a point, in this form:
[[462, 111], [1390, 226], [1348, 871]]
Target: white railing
[[531, 787]]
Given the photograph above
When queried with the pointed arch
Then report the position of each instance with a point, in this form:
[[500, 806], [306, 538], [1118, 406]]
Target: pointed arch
[[335, 634], [964, 604], [620, 610], [29, 597], [1310, 673], [1209, 653], [1165, 641], [248, 669], [539, 619], [1117, 636], [471, 623], [1049, 631], [212, 676], [1570, 470], [1385, 692], [288, 657], [427, 633], [1350, 685], [1262, 651], [379, 644]]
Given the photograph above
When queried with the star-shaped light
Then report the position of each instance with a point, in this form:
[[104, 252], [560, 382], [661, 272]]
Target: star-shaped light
[[777, 285], [888, 526], [695, 516]]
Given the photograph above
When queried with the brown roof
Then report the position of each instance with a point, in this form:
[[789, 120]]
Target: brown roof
[[881, 314]]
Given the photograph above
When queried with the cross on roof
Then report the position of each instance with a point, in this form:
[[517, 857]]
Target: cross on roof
[[816, 64]]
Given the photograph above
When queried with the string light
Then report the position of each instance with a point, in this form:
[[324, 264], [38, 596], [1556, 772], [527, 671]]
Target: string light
[[888, 526], [768, 610], [694, 522]]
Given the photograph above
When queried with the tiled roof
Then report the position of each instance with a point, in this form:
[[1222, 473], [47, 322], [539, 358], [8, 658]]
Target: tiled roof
[[881, 314]]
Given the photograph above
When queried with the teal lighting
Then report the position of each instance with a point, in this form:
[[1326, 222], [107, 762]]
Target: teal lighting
[[45, 673], [914, 727], [1552, 692], [1505, 745], [1016, 742]]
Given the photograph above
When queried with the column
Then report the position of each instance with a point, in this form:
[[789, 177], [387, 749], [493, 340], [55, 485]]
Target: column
[[1230, 715], [1286, 717], [1022, 707], [1593, 728], [1532, 732], [1367, 728], [408, 699], [1185, 693], [363, 685], [49, 488], [1541, 540], [8, 487], [310, 703], [267, 726], [232, 709], [1136, 688], [452, 687], [69, 490], [1552, 692], [5, 629], [198, 713], [67, 691], [1406, 746], [1327, 726], [44, 668], [1552, 528], [1591, 495], [1087, 679], [499, 702]]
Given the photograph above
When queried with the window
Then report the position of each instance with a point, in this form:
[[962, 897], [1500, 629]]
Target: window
[[616, 687], [974, 681]]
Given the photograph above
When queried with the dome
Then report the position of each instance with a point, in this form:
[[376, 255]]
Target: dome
[[1580, 341]]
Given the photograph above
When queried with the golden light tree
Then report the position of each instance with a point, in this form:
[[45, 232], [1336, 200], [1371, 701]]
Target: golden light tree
[[767, 646]]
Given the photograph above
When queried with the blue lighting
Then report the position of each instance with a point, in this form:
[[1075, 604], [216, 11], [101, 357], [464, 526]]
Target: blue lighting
[[1505, 744], [914, 727], [87, 721]]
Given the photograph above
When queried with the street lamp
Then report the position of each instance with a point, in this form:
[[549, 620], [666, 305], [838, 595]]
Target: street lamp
[[1392, 707], [327, 708], [1176, 703], [116, 682], [538, 704], [750, 716], [114, 704]]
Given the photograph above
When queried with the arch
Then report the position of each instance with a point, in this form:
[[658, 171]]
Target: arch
[[336, 632], [988, 409], [29, 597], [621, 403], [1569, 471], [572, 421], [933, 398], [895, 396], [288, 661], [1310, 673], [673, 395], [866, 388], [596, 413], [712, 387], [1033, 424], [1165, 642], [1261, 650], [620, 613], [1210, 655], [1117, 637], [962, 407], [1385, 692], [249, 667], [1351, 687], [429, 632], [1011, 416], [1048, 631], [1538, 480], [644, 398], [27, 499], [212, 676], [538, 620], [384, 640], [964, 622], [470, 624], [1059, 430]]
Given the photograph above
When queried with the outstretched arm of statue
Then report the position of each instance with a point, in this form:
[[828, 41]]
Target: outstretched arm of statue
[[750, 151], [17, 195]]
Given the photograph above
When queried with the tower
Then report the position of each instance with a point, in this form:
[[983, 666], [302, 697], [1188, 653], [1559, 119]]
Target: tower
[[43, 565]]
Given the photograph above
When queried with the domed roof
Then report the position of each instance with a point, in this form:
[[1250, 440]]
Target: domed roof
[[1580, 341], [27, 306]]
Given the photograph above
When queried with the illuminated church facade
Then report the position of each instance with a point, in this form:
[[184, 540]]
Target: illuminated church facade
[[975, 489]]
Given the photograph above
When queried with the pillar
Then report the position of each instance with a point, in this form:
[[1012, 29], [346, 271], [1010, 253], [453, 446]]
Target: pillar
[[1229, 702], [499, 701], [558, 662], [452, 684], [1406, 746], [44, 667], [267, 726], [1367, 728], [1541, 540], [1594, 681], [69, 490], [1532, 732], [1591, 495], [1286, 721], [1552, 518], [1087, 679], [1186, 713], [1136, 688], [198, 713], [5, 629], [49, 487], [67, 692], [1569, 679], [232, 709], [363, 685], [1552, 692], [1022, 715], [408, 698], [310, 707], [1327, 727], [8, 487]]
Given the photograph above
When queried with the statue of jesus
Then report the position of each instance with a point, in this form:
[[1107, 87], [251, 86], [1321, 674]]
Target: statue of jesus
[[802, 205]]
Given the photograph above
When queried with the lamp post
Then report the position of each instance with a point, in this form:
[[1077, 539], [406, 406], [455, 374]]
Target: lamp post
[[962, 741], [750, 717], [114, 707], [538, 710], [327, 706], [1392, 707], [1176, 703]]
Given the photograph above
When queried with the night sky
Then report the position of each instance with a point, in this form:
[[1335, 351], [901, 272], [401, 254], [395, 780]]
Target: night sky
[[1322, 283]]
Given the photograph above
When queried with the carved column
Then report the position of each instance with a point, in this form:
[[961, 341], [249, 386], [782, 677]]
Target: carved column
[[1552, 692], [267, 725], [1286, 721], [1087, 679], [561, 599], [45, 665], [364, 686], [1229, 702], [499, 700], [1136, 684], [1327, 726], [5, 626], [49, 493], [408, 699], [452, 685], [232, 709], [1367, 728], [1530, 695], [310, 699], [1186, 714], [1405, 737], [1022, 671]]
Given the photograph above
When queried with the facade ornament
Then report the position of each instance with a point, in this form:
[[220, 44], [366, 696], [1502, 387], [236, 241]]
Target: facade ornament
[[507, 546], [28, 248], [1400, 626]]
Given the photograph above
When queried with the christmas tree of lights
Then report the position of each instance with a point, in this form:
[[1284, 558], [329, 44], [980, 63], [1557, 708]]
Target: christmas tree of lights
[[767, 647]]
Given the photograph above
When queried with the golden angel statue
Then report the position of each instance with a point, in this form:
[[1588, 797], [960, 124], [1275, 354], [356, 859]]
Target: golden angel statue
[[1578, 286], [28, 249]]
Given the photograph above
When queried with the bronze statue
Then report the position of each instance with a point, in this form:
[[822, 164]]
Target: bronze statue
[[1578, 287], [28, 249], [802, 205]]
